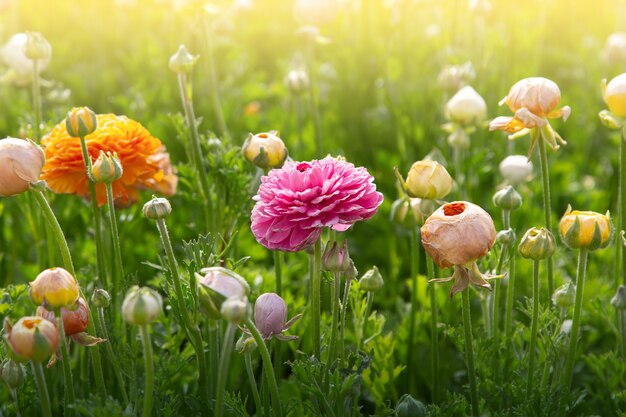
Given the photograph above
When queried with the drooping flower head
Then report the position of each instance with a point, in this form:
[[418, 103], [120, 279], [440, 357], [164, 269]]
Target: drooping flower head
[[145, 163], [457, 234], [296, 202], [533, 101]]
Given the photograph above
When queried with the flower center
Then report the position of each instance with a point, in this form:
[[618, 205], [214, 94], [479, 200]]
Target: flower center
[[453, 209], [303, 166], [262, 135]]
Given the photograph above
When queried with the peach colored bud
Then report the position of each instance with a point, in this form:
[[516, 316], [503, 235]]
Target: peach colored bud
[[466, 107], [428, 180], [458, 233], [265, 150], [21, 162], [32, 338], [614, 94], [585, 229], [537, 94], [74, 321], [54, 288]]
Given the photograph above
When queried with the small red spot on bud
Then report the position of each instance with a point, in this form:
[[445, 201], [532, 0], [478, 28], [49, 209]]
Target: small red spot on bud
[[302, 167], [453, 209]]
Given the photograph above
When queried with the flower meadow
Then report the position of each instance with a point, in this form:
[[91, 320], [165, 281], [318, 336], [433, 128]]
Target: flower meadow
[[286, 208]]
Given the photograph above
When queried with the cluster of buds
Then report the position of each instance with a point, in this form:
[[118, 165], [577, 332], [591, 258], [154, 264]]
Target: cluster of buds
[[265, 150], [23, 162], [585, 229], [465, 111], [222, 293], [141, 306]]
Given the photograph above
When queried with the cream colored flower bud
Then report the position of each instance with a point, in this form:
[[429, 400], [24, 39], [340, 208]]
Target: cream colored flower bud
[[13, 56], [458, 233], [142, 306], [297, 81], [234, 309], [21, 162], [516, 169], [537, 244], [428, 180], [157, 208], [80, 122], [466, 107], [37, 47], [107, 168], [537, 94], [182, 61], [614, 94], [615, 48], [265, 150]]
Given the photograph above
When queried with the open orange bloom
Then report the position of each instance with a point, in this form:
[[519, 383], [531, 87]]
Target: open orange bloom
[[144, 160]]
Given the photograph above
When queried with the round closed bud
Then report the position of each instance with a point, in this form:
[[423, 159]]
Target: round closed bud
[[619, 299], [458, 233], [270, 314], [506, 237], [37, 47], [11, 372], [265, 150], [217, 285], [31, 338], [336, 257], [372, 280], [297, 82], [508, 199], [182, 61], [585, 229], [428, 180], [80, 122], [537, 244], [21, 162], [141, 306], [107, 168], [245, 344], [351, 272], [614, 94], [157, 208], [234, 309], [410, 407], [516, 169], [466, 107], [75, 320], [54, 288], [565, 295], [100, 298]]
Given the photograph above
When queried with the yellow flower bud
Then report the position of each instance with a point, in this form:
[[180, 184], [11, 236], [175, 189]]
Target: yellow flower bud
[[614, 94], [429, 180], [107, 168], [54, 288], [31, 338], [585, 229], [21, 162], [37, 47], [265, 150], [141, 306], [537, 244], [80, 122], [182, 61]]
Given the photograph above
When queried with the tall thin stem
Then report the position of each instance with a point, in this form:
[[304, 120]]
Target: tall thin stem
[[344, 312], [469, 352], [510, 295], [214, 355], [267, 367], [149, 365], [414, 267], [434, 331], [213, 84], [42, 388], [67, 372], [336, 293], [495, 296], [545, 177], [315, 297], [192, 329], [253, 386], [222, 375], [36, 100], [315, 115], [622, 200], [278, 268], [16, 401], [573, 341], [533, 332], [118, 273], [100, 325]]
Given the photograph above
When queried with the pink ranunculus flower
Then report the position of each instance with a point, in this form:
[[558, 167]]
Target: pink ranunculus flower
[[296, 202]]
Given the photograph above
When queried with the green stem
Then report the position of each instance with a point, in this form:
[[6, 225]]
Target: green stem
[[222, 375], [315, 297], [317, 124], [622, 325], [42, 388], [68, 381], [434, 338], [533, 331], [469, 353], [622, 201], [335, 294], [458, 169], [212, 83], [344, 311], [36, 100], [298, 100], [545, 177], [214, 354], [192, 329], [267, 367], [118, 273], [16, 401], [278, 268], [99, 318], [510, 295], [253, 385], [414, 267], [149, 365], [196, 150], [573, 341]]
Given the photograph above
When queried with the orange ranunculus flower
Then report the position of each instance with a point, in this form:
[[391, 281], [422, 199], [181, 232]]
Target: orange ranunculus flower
[[144, 160]]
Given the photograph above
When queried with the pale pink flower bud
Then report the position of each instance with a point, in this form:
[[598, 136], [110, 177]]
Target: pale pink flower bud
[[21, 162], [270, 314]]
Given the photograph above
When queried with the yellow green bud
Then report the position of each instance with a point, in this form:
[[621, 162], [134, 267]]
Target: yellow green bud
[[507, 199], [537, 244], [372, 280], [107, 168], [80, 122]]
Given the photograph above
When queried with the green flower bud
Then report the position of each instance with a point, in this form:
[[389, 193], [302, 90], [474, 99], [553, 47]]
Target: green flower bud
[[11, 372], [507, 199], [372, 280], [80, 122], [506, 237], [182, 61], [157, 208], [245, 344], [107, 168], [336, 258], [537, 244], [37, 47], [619, 299], [142, 306], [100, 298], [351, 273], [565, 295], [410, 407]]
